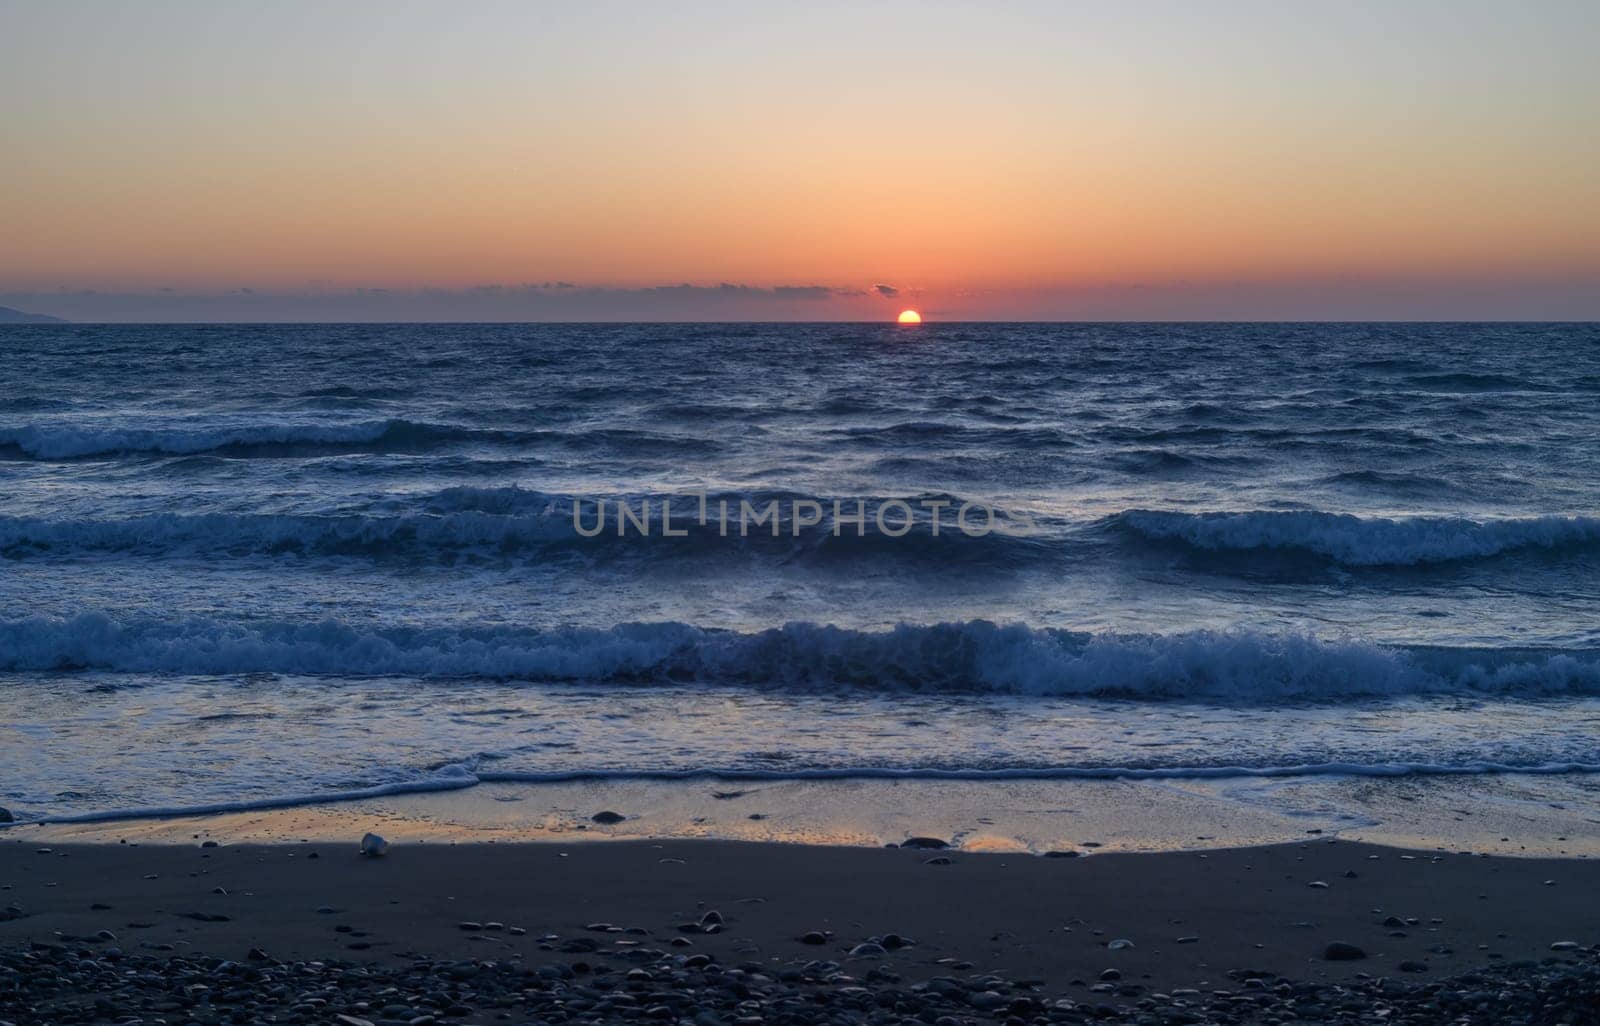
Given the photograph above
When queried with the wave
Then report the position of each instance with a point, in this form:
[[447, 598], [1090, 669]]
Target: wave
[[297, 438], [70, 441], [498, 520], [280, 534], [1462, 381], [1363, 541], [968, 656]]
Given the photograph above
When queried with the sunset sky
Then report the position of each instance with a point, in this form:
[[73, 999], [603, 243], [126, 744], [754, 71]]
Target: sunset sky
[[265, 161]]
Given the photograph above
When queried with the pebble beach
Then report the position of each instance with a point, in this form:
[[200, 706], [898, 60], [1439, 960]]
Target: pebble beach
[[707, 932]]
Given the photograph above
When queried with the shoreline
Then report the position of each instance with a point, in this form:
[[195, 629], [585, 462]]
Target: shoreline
[[1509, 814], [1197, 921]]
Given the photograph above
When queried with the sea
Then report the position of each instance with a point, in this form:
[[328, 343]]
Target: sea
[[260, 565]]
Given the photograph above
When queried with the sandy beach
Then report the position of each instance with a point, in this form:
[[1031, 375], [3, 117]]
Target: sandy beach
[[1107, 931]]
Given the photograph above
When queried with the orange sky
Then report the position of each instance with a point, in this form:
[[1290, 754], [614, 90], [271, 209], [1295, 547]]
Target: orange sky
[[959, 150]]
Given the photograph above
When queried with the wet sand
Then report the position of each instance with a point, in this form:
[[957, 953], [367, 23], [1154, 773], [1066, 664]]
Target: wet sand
[[1500, 814], [1191, 916]]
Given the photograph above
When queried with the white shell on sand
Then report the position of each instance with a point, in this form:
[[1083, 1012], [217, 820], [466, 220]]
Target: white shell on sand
[[372, 846]]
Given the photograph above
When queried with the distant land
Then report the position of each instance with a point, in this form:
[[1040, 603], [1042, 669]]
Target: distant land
[[10, 316]]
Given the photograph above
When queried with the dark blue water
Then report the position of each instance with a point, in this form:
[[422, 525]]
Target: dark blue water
[[289, 549]]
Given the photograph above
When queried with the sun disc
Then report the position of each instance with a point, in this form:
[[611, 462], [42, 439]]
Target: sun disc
[[910, 317]]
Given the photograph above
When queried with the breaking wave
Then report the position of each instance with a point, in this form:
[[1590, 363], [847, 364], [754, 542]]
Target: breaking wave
[[970, 656]]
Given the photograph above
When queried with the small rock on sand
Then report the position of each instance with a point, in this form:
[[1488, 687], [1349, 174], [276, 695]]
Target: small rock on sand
[[372, 846], [1339, 951], [932, 843], [608, 817], [6, 816]]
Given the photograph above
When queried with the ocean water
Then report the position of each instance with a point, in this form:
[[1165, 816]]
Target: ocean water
[[263, 564]]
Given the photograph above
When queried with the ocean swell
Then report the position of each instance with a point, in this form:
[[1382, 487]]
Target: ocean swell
[[77, 441], [1363, 541], [494, 521], [977, 656]]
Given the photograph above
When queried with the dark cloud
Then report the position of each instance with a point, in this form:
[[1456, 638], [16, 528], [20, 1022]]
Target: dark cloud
[[886, 290]]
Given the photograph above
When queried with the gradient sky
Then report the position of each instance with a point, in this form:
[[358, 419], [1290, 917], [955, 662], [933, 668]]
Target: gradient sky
[[1054, 160]]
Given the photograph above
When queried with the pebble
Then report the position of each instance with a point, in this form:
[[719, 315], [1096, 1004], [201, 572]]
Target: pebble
[[77, 984], [1339, 951], [924, 843], [1120, 944], [606, 816], [373, 846]]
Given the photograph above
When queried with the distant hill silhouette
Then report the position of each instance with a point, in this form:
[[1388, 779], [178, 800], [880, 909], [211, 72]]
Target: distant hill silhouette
[[10, 316]]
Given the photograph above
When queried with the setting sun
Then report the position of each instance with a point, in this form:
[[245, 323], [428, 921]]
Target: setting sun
[[910, 317]]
